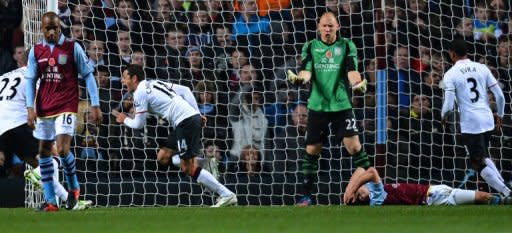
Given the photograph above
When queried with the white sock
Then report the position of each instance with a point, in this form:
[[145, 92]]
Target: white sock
[[176, 160], [464, 197], [491, 164], [206, 178], [60, 191], [489, 175]]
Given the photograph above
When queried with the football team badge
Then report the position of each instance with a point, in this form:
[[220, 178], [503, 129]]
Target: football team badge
[[63, 59]]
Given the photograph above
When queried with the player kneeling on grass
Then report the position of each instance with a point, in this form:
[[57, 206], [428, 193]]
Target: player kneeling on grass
[[177, 104], [34, 176], [366, 187]]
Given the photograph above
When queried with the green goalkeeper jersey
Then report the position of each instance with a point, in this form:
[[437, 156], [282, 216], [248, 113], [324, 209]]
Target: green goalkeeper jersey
[[329, 81]]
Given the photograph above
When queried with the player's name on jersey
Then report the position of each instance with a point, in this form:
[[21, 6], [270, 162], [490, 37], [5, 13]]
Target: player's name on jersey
[[468, 69]]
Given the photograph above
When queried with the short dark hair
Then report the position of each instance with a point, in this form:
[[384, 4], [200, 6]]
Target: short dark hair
[[458, 46], [134, 69]]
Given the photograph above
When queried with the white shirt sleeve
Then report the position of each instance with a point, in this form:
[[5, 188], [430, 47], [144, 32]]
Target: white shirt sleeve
[[140, 101], [186, 94], [492, 84], [137, 122], [449, 95]]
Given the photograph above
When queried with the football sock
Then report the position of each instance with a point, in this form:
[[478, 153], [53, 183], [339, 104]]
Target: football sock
[[491, 164], [464, 197], [310, 170], [208, 180], [492, 180], [70, 172], [60, 191], [47, 170], [360, 159]]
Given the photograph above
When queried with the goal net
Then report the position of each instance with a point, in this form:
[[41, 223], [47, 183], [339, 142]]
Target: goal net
[[256, 119]]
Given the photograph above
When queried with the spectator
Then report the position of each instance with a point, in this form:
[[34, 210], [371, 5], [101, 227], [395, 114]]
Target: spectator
[[277, 112], [430, 88], [222, 47], [200, 29], [250, 160], [403, 80], [19, 50], [290, 143], [195, 70], [122, 55], [86, 132], [172, 55], [420, 137], [214, 149], [79, 34], [249, 126], [96, 53], [248, 28], [219, 13], [238, 60], [292, 62], [215, 114], [484, 27], [83, 14]]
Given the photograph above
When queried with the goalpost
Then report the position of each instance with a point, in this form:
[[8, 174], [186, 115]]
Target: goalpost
[[119, 167]]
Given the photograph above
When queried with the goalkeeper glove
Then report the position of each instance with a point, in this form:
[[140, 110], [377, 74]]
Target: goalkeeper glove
[[293, 78], [360, 86]]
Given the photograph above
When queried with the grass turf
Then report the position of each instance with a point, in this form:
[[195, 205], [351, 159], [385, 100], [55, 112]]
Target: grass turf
[[466, 219]]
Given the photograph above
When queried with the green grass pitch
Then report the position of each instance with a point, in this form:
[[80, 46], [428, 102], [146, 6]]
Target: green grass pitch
[[317, 219]]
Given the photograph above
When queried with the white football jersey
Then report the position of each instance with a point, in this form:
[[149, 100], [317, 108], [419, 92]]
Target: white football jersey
[[13, 110], [470, 82], [158, 97]]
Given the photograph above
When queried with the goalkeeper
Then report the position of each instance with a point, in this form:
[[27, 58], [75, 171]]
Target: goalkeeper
[[330, 65]]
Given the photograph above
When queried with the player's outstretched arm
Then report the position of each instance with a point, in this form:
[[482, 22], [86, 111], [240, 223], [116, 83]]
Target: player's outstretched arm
[[135, 123]]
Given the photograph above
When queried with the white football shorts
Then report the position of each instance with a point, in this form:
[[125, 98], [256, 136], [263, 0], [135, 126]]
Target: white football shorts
[[48, 128]]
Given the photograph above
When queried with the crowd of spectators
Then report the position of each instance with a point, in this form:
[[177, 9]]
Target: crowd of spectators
[[234, 55]]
